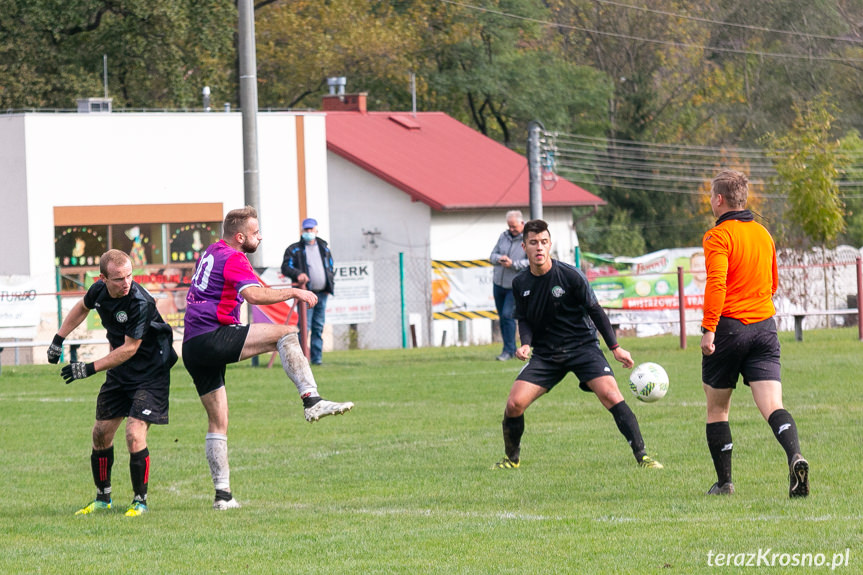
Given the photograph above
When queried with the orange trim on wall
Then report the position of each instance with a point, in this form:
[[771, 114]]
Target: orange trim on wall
[[301, 169], [137, 214]]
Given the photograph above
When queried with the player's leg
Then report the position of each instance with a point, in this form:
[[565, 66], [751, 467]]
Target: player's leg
[[718, 433], [521, 395], [205, 358], [269, 337], [139, 464], [607, 392], [216, 405], [149, 406], [768, 398], [101, 462]]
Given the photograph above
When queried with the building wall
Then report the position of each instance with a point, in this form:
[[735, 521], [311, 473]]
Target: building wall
[[49, 160], [360, 202], [15, 231], [469, 235]]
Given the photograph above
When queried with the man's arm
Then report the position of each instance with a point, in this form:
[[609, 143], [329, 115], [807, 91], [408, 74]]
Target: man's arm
[[76, 316], [74, 319], [117, 356], [259, 295], [288, 269]]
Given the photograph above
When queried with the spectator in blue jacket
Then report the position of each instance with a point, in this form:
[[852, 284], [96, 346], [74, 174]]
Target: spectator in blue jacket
[[508, 258], [309, 262]]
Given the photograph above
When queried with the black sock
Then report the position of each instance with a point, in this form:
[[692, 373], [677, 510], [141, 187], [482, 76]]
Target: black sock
[[513, 429], [139, 469], [785, 430], [720, 445], [628, 426], [310, 400], [222, 495], [101, 462]]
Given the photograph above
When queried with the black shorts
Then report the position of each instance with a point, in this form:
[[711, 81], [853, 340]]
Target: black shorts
[[205, 356], [587, 362], [750, 350], [145, 401]]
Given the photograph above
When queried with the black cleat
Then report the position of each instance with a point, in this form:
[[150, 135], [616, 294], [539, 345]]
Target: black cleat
[[799, 477]]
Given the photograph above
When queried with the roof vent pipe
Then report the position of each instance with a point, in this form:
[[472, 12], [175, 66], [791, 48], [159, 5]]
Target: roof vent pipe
[[336, 85]]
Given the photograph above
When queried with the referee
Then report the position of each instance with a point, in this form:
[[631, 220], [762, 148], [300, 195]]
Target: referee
[[558, 315], [739, 333]]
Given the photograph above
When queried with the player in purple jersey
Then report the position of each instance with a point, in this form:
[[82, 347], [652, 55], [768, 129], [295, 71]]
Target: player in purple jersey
[[214, 337]]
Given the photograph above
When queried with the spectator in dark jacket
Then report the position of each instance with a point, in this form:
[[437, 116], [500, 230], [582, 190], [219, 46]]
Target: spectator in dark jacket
[[309, 262]]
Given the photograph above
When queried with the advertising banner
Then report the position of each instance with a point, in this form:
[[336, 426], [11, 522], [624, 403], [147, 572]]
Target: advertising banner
[[18, 306], [462, 289], [648, 282]]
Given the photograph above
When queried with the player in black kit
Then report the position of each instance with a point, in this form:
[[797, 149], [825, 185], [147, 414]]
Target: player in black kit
[[137, 377], [558, 316]]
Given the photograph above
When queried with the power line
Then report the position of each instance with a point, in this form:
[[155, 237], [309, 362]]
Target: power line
[[806, 35], [782, 55]]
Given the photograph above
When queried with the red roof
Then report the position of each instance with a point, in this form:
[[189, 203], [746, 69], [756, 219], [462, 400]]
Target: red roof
[[441, 162]]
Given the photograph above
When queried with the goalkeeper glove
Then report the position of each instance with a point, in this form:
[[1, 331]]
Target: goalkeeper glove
[[77, 370], [55, 350]]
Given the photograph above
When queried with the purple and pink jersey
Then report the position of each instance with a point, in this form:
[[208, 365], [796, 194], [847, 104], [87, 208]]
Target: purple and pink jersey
[[214, 297]]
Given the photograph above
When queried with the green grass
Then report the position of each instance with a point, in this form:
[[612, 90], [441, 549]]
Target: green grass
[[403, 484]]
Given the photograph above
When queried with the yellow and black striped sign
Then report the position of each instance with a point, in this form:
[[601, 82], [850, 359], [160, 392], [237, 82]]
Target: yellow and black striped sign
[[454, 264], [463, 315]]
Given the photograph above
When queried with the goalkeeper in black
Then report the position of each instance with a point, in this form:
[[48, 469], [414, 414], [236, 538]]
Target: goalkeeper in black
[[137, 375], [558, 316]]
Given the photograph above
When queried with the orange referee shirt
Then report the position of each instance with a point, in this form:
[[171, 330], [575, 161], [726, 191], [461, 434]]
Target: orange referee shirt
[[742, 274]]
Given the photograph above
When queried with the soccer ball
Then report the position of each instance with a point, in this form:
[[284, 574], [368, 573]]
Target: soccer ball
[[649, 382]]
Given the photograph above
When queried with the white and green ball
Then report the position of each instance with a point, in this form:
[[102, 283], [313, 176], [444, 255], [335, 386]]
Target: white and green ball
[[649, 382]]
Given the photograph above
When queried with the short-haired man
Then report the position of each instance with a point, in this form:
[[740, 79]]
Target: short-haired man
[[214, 337], [558, 316], [309, 262], [137, 378], [508, 260], [739, 333]]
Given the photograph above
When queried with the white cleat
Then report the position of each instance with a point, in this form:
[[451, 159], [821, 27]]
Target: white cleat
[[324, 408], [221, 504]]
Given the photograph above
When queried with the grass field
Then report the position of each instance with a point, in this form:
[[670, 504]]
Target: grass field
[[403, 484]]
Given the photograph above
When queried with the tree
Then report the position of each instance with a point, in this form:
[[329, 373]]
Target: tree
[[807, 166], [160, 53]]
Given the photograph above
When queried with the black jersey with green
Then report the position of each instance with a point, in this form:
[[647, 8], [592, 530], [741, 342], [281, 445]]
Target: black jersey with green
[[134, 315], [558, 311]]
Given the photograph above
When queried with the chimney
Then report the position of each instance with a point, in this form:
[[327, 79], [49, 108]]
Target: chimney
[[345, 103]]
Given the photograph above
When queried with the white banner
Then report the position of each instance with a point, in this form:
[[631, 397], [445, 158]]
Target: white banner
[[462, 286], [18, 306], [354, 300]]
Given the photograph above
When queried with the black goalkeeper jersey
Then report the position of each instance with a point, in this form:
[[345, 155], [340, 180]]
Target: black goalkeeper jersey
[[134, 315], [560, 309]]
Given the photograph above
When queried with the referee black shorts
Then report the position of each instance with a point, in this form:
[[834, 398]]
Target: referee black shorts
[[205, 356], [751, 350], [546, 370]]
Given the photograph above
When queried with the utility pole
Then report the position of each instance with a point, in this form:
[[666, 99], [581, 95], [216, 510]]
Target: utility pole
[[249, 106], [534, 169]]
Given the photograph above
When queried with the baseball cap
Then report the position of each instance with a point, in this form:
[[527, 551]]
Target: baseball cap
[[310, 223]]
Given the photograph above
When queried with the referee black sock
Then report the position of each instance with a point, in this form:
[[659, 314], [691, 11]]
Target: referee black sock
[[101, 462], [785, 430], [720, 445], [513, 429], [628, 426], [139, 469]]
